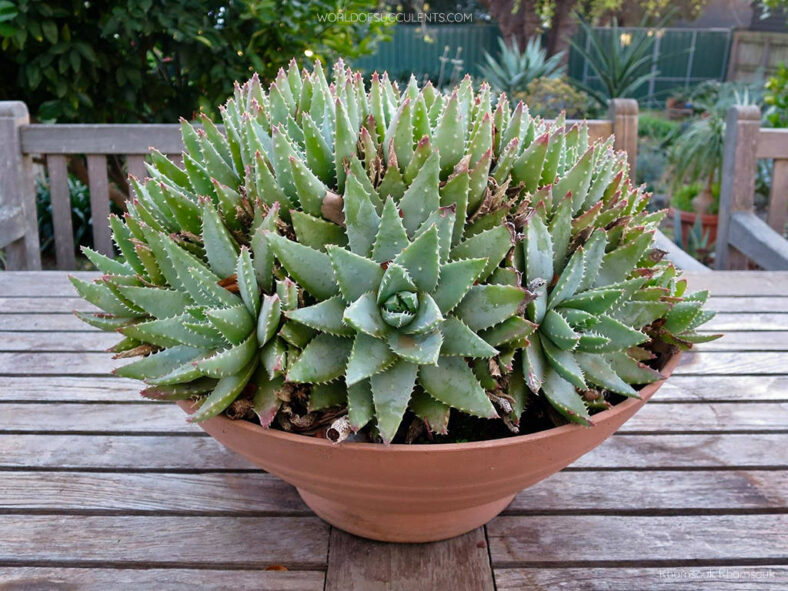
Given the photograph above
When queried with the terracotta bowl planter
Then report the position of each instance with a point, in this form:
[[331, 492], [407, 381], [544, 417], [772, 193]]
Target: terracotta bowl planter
[[708, 223], [417, 493]]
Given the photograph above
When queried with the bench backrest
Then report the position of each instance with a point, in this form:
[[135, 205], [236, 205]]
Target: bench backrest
[[741, 235]]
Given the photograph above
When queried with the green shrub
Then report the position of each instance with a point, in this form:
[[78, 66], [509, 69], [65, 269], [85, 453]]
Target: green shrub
[[651, 165], [81, 220], [657, 128], [80, 215], [547, 97], [776, 98]]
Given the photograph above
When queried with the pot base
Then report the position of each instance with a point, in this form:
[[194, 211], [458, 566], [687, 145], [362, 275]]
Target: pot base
[[403, 527]]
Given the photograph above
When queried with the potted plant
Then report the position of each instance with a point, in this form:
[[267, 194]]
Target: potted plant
[[409, 305], [682, 205]]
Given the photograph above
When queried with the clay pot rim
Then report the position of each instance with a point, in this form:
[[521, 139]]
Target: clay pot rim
[[316, 442]]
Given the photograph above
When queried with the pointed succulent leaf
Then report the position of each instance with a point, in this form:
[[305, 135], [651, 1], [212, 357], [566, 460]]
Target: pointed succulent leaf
[[327, 395], [618, 264], [420, 348], [229, 361], [101, 295], [487, 305], [268, 319], [234, 323], [309, 189], [422, 197], [361, 218], [569, 281], [427, 317], [421, 259], [315, 232], [273, 358], [620, 335], [534, 364], [355, 275], [435, 414], [368, 357], [459, 340], [325, 316], [323, 360], [364, 316], [538, 250], [456, 278], [452, 382], [391, 390], [247, 282], [564, 398], [631, 370], [309, 267], [360, 406], [159, 364], [557, 329], [391, 238], [224, 393], [513, 329], [493, 243], [157, 302], [593, 302], [564, 363], [265, 401], [600, 373]]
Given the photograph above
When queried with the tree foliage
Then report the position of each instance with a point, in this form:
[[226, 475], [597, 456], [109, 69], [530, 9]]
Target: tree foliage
[[153, 60]]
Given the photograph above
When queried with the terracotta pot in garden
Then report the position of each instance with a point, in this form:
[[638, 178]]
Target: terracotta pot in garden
[[708, 223], [417, 493]]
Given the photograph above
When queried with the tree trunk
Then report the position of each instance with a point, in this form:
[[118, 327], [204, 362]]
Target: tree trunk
[[516, 18], [562, 28]]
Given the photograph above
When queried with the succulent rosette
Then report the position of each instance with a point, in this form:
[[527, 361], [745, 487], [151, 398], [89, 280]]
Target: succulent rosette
[[343, 250]]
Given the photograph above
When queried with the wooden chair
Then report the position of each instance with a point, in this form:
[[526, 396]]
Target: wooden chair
[[742, 235]]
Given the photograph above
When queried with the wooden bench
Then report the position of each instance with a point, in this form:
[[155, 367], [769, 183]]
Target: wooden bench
[[102, 490]]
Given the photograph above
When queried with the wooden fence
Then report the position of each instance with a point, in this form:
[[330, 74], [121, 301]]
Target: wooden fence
[[741, 234], [20, 141], [756, 53]]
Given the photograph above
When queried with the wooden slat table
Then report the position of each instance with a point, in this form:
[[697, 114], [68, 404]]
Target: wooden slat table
[[101, 490]]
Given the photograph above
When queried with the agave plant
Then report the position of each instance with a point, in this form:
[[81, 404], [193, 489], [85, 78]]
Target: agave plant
[[514, 69], [376, 254], [620, 60]]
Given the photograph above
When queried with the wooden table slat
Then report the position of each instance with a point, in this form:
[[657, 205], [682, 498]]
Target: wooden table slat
[[608, 540], [723, 578], [185, 541], [459, 563], [171, 579]]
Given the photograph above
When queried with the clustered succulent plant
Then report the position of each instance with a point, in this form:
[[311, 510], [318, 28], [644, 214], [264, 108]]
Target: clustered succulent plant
[[366, 253]]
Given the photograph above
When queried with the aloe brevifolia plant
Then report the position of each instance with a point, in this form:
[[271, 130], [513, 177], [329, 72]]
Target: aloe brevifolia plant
[[337, 250]]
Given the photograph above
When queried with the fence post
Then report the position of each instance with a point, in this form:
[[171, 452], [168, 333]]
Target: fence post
[[739, 165], [624, 115], [16, 188]]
